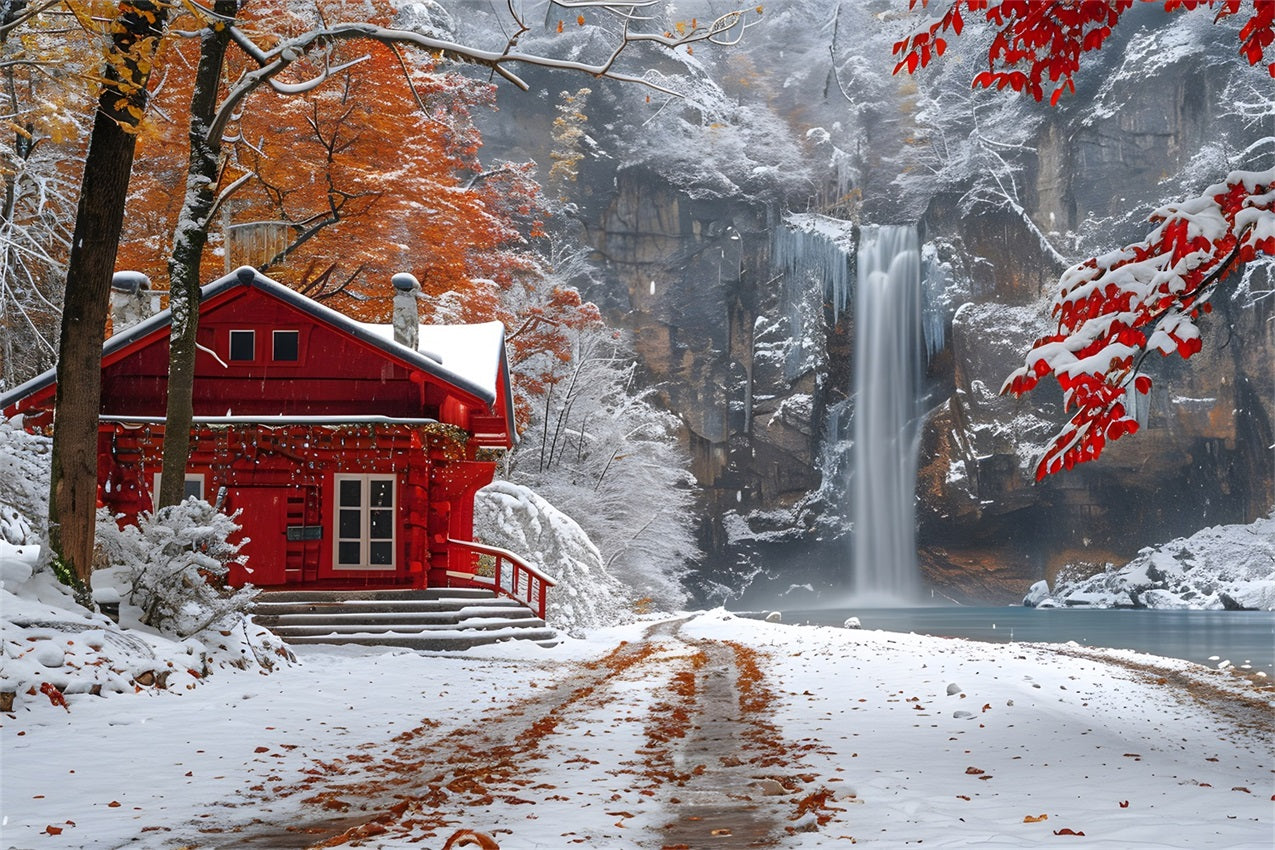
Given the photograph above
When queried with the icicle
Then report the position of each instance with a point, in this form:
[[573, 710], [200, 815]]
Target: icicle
[[936, 286], [816, 248]]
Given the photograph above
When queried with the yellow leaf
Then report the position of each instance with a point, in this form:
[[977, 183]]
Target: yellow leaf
[[1035, 818]]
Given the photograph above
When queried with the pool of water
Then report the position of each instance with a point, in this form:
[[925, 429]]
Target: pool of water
[[1206, 637]]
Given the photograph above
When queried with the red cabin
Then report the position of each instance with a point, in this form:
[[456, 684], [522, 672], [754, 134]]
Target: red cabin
[[352, 458]]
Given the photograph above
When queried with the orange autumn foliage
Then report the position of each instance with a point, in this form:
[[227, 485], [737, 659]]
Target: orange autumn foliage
[[373, 172]]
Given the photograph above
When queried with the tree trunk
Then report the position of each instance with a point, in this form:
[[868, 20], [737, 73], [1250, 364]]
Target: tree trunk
[[184, 266], [98, 222]]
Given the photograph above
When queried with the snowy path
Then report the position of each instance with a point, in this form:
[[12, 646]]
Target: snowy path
[[665, 735], [706, 731]]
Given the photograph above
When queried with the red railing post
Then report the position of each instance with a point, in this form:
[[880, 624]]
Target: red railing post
[[537, 583]]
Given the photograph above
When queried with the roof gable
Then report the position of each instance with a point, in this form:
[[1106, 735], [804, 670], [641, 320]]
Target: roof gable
[[477, 375]]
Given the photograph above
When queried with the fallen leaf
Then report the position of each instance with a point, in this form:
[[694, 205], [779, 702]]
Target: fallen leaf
[[721, 831], [53, 830], [1035, 818], [114, 804], [974, 771], [1066, 831], [1124, 804]]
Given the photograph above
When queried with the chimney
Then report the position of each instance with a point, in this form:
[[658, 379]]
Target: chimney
[[130, 300], [407, 318]]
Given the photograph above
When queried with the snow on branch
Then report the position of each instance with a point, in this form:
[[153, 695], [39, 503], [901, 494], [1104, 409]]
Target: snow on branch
[[1036, 44], [1113, 309], [725, 30]]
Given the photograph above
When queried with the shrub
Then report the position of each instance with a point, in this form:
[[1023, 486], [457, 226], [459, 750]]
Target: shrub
[[175, 563]]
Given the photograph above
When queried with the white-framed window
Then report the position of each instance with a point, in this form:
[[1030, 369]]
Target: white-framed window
[[194, 485], [243, 345], [285, 346], [364, 535]]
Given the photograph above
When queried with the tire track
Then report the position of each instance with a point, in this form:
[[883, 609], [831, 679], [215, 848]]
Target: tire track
[[676, 729]]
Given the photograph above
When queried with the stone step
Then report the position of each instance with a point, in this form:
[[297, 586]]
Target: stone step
[[437, 619], [413, 594], [490, 606], [437, 642], [469, 613], [289, 629]]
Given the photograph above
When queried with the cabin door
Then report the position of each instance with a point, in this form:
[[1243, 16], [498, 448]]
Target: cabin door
[[263, 517]]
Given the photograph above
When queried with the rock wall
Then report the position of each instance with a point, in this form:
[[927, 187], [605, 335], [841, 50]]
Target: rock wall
[[757, 364], [711, 333], [716, 328]]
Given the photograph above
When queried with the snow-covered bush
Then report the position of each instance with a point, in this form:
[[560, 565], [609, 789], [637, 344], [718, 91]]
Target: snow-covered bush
[[585, 596], [1227, 566], [24, 488], [174, 563]]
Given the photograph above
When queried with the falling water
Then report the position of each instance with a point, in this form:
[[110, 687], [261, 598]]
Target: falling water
[[888, 370]]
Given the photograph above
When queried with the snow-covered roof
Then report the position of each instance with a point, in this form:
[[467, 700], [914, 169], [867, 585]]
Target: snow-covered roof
[[472, 352]]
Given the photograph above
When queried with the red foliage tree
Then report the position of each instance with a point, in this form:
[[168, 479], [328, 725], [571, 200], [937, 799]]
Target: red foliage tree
[[1039, 42], [1113, 309]]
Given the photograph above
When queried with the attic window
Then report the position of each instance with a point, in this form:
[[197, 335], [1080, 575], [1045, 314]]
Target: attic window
[[286, 346], [243, 345]]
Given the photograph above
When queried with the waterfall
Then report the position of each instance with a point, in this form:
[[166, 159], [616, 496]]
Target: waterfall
[[889, 363]]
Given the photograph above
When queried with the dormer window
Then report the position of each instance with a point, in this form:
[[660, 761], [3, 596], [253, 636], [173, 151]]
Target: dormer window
[[243, 346], [286, 346]]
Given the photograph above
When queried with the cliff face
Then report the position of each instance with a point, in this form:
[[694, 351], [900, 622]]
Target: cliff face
[[1203, 455], [717, 327], [757, 359], [713, 331]]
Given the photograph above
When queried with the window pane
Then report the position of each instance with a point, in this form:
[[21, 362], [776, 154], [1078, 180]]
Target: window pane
[[286, 345], [351, 527], [382, 553], [349, 553], [243, 345], [381, 525], [351, 494], [382, 493], [194, 487]]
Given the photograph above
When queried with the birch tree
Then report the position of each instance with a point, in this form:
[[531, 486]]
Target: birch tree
[[270, 66]]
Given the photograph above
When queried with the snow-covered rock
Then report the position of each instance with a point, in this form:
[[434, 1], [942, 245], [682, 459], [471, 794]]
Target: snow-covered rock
[[1036, 594], [53, 650], [1223, 567]]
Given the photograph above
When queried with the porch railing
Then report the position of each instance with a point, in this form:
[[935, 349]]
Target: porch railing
[[503, 572]]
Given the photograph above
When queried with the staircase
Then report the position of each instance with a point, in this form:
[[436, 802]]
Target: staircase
[[433, 619]]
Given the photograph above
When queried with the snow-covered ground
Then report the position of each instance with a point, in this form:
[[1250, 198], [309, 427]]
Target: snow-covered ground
[[833, 737], [1225, 566]]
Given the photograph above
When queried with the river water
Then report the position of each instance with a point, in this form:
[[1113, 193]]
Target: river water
[[1206, 637]]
